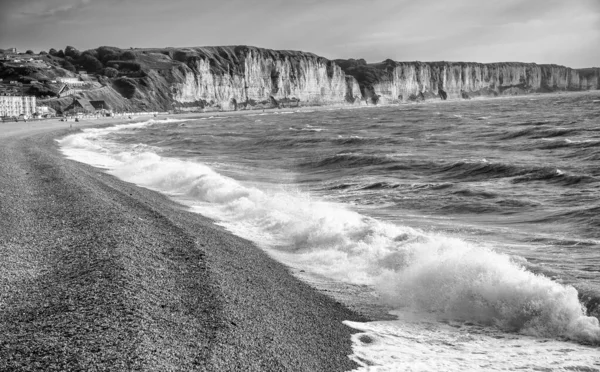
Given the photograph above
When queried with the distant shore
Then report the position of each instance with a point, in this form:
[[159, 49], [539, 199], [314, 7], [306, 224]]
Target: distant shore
[[98, 274]]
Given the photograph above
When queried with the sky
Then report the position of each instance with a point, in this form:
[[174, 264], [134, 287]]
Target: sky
[[565, 32]]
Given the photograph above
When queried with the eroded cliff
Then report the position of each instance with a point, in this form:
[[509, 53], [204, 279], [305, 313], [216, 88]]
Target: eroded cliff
[[391, 81], [243, 77]]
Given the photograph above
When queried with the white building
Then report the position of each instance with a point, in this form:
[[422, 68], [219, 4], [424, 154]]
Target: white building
[[17, 105], [70, 81], [43, 110]]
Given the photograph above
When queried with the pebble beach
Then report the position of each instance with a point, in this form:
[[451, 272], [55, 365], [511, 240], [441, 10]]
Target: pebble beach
[[99, 274]]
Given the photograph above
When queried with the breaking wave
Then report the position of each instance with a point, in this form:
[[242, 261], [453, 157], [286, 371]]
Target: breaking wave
[[410, 268]]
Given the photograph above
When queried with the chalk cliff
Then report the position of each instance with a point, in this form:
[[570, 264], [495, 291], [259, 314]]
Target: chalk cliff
[[391, 81], [243, 77]]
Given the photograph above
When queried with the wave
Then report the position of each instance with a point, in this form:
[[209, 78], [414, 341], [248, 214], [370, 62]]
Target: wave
[[409, 268], [348, 160], [476, 193], [355, 140], [484, 170], [307, 128], [458, 280], [479, 170], [285, 142], [380, 186], [555, 176], [536, 133], [568, 143], [587, 217]]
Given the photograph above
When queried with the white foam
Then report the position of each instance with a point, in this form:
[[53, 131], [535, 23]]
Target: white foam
[[410, 269], [415, 343]]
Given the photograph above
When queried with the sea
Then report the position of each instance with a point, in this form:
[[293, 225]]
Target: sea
[[469, 230]]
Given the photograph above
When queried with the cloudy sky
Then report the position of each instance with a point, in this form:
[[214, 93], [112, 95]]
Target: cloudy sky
[[565, 32]]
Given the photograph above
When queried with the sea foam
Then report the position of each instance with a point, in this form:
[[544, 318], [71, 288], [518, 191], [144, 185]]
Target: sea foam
[[424, 272]]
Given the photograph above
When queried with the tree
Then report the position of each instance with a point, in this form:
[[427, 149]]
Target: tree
[[68, 66], [29, 52], [72, 52], [93, 52], [43, 53], [60, 54], [106, 53], [127, 56], [110, 72], [90, 63], [52, 52]]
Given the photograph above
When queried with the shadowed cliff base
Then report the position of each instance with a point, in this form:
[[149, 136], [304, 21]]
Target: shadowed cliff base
[[232, 78], [98, 274]]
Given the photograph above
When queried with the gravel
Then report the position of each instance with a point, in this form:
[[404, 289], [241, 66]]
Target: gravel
[[100, 275]]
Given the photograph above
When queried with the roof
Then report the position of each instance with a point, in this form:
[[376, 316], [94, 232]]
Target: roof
[[99, 105], [85, 104]]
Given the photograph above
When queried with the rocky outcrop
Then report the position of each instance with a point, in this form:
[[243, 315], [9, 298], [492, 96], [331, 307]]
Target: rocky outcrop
[[392, 81]]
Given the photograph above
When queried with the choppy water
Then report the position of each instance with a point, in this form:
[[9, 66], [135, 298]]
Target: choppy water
[[477, 221]]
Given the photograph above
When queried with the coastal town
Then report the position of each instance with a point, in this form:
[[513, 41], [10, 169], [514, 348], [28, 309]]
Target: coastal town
[[25, 90]]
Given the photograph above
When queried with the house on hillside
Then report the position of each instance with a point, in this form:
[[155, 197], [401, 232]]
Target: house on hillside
[[70, 81]]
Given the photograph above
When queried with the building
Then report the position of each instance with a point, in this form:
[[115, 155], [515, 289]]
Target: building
[[15, 105], [80, 106], [70, 81], [44, 110], [100, 105]]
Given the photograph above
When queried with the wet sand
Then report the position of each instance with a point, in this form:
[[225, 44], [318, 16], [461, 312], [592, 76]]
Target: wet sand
[[99, 274]]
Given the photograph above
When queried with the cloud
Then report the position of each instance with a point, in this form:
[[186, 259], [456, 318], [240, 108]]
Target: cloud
[[57, 11]]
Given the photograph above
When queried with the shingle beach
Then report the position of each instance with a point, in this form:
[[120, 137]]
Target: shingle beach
[[97, 274]]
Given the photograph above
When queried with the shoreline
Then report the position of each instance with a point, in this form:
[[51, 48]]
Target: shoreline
[[122, 119], [102, 274]]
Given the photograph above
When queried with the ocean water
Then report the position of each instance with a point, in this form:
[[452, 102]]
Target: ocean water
[[475, 223]]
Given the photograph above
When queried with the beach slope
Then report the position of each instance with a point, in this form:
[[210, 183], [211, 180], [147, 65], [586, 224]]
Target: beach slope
[[98, 274]]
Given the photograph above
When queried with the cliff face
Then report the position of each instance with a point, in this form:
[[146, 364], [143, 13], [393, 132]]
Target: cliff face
[[231, 77], [242, 77], [391, 81]]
